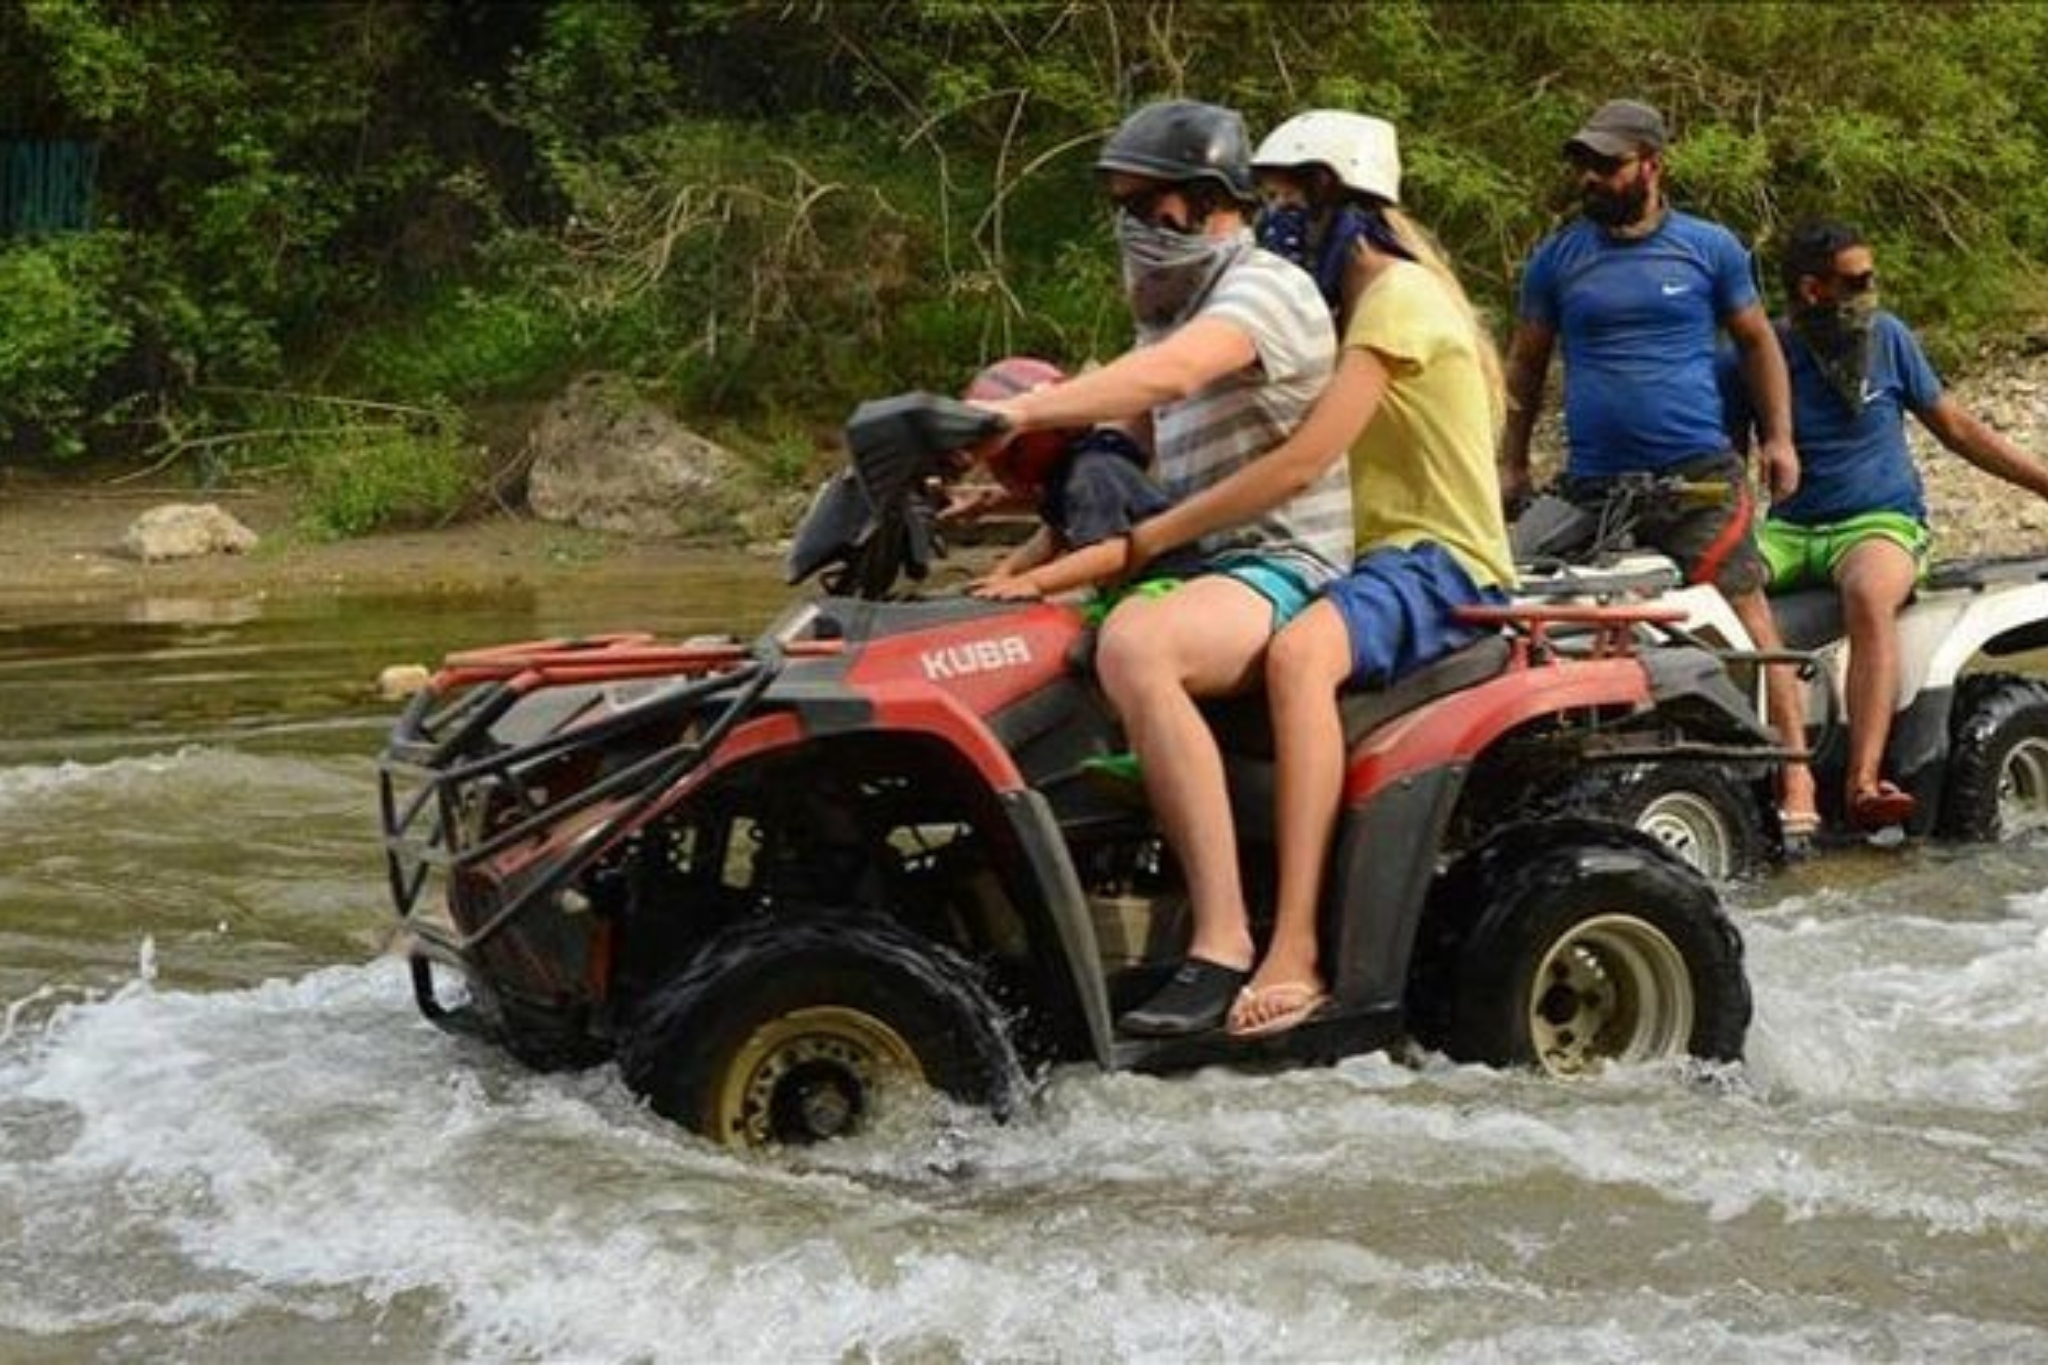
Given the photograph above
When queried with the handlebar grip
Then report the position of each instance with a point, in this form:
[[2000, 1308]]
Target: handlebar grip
[[1701, 492]]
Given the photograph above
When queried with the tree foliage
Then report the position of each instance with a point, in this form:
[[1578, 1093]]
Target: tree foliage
[[770, 208]]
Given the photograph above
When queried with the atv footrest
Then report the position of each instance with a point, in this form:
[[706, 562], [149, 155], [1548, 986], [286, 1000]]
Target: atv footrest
[[1326, 1038]]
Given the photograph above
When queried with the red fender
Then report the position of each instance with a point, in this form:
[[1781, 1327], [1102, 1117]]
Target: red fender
[[1462, 725]]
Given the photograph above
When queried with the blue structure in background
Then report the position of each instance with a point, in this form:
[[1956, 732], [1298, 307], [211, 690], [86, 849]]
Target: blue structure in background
[[46, 185]]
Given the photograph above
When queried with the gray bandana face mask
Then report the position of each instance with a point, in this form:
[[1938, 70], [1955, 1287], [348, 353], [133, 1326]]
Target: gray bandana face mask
[[1167, 274], [1839, 336]]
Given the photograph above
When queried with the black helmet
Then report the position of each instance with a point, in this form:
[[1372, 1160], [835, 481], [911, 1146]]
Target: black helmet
[[1182, 141]]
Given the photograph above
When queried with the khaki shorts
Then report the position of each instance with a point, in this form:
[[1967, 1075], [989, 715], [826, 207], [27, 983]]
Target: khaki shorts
[[1710, 541]]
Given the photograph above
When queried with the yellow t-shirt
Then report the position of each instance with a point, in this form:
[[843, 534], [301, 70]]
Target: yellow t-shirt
[[1423, 469]]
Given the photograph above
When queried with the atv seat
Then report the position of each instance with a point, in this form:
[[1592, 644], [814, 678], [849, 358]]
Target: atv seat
[[1813, 617], [1987, 571], [1809, 618], [1244, 726]]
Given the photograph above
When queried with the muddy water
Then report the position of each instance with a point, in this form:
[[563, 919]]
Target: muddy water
[[224, 1134]]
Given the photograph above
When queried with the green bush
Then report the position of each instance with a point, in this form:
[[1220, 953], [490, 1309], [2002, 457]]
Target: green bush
[[769, 211], [61, 331], [383, 477], [472, 341]]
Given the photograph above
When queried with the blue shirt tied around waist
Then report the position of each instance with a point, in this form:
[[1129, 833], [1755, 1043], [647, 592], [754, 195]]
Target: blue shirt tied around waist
[[1638, 319], [1850, 462]]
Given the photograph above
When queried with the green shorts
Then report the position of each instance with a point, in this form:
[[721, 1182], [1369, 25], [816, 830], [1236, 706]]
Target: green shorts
[[1102, 601], [1807, 556]]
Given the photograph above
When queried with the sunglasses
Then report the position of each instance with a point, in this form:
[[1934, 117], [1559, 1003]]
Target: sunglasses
[[1143, 205], [1599, 163], [1860, 283]]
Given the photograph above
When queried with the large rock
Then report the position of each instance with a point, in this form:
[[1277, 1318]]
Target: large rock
[[607, 460], [186, 530]]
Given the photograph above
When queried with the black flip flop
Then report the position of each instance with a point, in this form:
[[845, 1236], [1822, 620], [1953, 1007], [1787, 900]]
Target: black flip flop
[[1195, 999]]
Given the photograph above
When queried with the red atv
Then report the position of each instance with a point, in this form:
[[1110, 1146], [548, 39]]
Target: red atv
[[767, 878]]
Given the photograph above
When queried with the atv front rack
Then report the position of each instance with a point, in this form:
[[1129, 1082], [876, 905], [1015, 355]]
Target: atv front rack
[[456, 789]]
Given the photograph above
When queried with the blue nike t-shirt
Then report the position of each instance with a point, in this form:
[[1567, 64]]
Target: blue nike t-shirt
[[1639, 319], [1850, 462]]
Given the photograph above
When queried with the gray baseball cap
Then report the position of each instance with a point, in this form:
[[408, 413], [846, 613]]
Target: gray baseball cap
[[1620, 128]]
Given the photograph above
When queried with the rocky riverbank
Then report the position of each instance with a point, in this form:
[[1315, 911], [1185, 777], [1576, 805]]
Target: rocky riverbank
[[1973, 513], [62, 539]]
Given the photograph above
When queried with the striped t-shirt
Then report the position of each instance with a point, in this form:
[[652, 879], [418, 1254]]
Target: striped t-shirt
[[1211, 434]]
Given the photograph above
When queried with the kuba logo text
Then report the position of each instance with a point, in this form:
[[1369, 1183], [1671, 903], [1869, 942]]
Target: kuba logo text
[[976, 656]]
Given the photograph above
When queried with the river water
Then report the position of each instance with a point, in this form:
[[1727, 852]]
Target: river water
[[225, 1133]]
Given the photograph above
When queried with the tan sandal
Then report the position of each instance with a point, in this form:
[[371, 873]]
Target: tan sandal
[[1296, 1002]]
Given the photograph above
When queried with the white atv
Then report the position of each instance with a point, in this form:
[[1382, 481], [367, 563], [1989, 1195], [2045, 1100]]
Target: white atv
[[1969, 736]]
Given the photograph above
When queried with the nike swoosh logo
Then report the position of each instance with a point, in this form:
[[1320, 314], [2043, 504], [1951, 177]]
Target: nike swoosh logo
[[1870, 395], [1671, 289]]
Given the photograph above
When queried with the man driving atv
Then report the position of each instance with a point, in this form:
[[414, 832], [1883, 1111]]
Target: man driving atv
[[1858, 521], [1415, 402], [1233, 346]]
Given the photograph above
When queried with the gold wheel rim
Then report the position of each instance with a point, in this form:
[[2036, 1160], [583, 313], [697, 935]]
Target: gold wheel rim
[[1691, 826], [2023, 787], [809, 1075], [1615, 988]]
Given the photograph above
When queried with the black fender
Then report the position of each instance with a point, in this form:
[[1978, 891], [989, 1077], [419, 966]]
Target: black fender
[[1072, 988], [1379, 882]]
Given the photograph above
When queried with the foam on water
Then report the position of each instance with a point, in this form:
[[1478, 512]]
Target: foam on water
[[1903, 1008], [187, 775], [310, 1147], [215, 1144], [311, 1134]]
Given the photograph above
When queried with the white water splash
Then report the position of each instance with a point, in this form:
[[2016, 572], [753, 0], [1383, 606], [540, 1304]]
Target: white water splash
[[310, 1146]]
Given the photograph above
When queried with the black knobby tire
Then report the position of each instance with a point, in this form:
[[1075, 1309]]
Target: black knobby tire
[[1998, 758], [1562, 944], [1706, 813], [789, 1030]]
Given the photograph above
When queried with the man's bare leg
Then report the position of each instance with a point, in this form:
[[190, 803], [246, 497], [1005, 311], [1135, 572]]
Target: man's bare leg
[[1206, 638], [1875, 578], [1786, 696]]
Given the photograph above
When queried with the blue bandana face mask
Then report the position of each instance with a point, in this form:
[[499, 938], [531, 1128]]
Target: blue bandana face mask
[[1324, 250]]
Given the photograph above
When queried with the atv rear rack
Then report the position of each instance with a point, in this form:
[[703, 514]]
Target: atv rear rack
[[454, 793], [1604, 630]]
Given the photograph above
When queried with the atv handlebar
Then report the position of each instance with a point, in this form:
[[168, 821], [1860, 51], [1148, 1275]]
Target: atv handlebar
[[895, 442], [876, 520], [1582, 523]]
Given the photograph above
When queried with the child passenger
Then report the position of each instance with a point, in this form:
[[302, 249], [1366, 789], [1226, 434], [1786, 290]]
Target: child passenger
[[1089, 488]]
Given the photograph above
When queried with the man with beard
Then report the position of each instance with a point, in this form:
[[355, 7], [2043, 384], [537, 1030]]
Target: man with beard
[[1233, 346], [1859, 519], [1637, 292]]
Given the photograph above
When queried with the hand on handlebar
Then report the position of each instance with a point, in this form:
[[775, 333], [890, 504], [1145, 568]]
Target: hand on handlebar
[[1517, 490], [977, 501]]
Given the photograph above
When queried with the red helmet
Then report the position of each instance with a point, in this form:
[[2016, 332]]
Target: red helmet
[[1023, 463]]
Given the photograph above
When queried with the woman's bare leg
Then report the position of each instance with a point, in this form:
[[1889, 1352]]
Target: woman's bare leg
[[1305, 666]]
